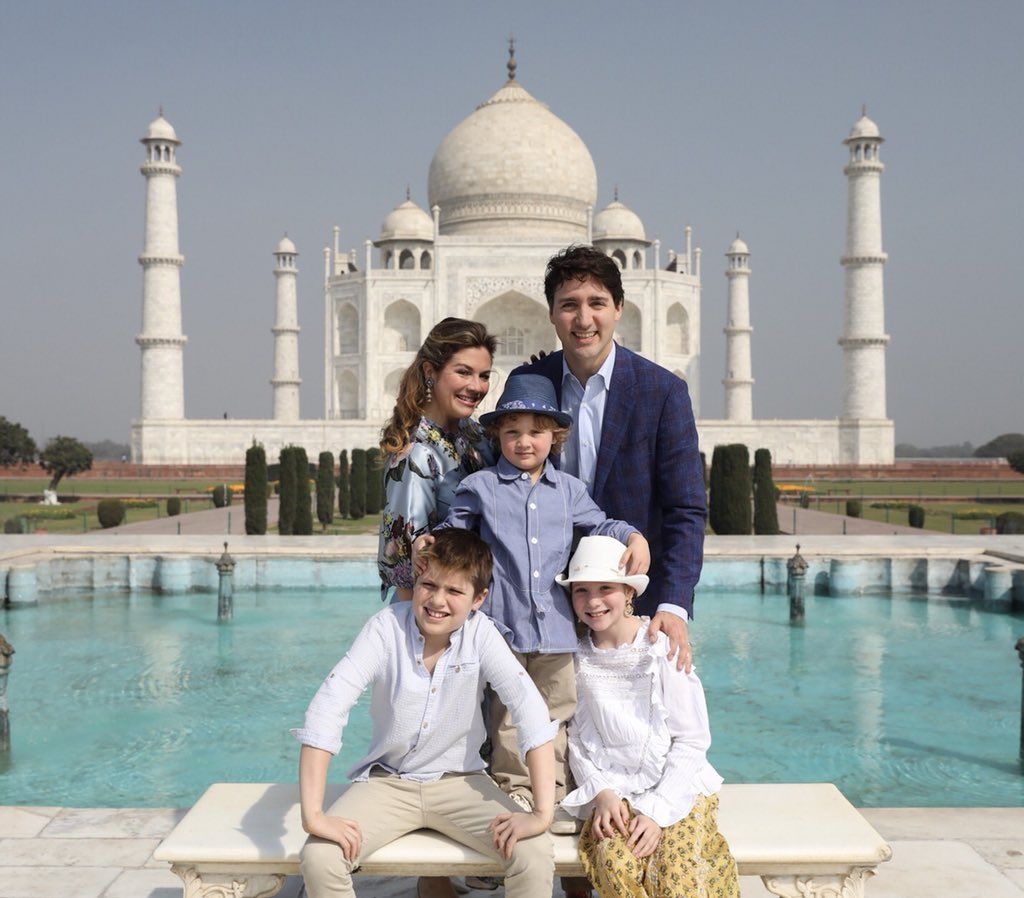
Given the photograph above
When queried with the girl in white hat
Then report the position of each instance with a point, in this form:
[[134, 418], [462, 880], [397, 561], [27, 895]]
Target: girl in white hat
[[638, 747]]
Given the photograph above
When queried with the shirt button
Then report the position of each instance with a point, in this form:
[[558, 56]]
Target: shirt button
[[419, 660], [433, 689], [536, 573], [533, 505], [457, 668], [533, 539], [523, 476]]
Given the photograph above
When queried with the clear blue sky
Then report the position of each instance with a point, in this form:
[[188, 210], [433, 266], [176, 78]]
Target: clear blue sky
[[300, 116]]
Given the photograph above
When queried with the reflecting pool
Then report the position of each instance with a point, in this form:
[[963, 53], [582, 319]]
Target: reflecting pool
[[135, 700]]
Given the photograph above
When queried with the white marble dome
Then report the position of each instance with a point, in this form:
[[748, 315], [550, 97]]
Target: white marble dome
[[864, 127], [285, 245], [513, 167], [160, 129], [407, 222], [737, 247], [616, 221]]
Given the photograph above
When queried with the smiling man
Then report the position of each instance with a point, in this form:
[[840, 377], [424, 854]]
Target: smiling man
[[633, 441]]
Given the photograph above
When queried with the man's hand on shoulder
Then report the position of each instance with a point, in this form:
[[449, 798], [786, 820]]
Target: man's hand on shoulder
[[674, 627], [537, 356]]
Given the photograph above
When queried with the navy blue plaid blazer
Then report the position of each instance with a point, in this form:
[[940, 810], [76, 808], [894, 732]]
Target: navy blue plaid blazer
[[649, 471]]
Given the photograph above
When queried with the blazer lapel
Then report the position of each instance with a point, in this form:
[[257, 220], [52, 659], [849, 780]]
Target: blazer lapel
[[617, 411]]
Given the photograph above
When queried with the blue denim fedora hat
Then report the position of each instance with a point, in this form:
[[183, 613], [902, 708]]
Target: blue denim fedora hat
[[528, 393]]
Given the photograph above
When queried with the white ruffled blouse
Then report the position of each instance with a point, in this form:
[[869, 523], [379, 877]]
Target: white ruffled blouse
[[640, 729]]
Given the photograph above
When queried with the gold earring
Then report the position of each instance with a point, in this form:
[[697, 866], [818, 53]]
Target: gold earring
[[629, 608], [430, 389]]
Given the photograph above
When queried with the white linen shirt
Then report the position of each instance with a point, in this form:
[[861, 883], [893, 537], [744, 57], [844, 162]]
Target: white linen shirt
[[424, 725], [640, 729]]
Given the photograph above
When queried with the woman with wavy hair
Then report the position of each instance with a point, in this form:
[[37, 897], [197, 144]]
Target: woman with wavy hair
[[431, 441]]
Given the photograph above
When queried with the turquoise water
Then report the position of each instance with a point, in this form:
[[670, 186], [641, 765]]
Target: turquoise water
[[143, 700]]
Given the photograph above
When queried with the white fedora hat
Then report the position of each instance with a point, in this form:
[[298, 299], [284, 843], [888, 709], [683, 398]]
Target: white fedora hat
[[596, 560]]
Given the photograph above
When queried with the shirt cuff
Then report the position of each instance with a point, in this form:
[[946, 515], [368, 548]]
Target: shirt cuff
[[677, 610], [316, 740]]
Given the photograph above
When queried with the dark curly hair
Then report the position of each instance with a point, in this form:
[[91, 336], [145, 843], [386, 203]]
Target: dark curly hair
[[580, 262]]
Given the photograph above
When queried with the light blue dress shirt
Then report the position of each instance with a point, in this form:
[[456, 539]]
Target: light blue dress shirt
[[424, 725], [529, 527], [586, 404]]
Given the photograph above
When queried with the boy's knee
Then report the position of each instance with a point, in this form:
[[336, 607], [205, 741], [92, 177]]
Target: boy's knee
[[535, 855], [322, 861]]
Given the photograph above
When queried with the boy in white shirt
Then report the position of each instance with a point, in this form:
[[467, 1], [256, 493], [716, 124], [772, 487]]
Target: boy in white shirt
[[427, 662]]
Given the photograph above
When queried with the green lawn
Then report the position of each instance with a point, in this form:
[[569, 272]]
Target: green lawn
[[937, 515], [919, 488], [84, 515], [72, 486]]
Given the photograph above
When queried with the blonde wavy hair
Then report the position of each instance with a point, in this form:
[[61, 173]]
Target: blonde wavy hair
[[447, 338]]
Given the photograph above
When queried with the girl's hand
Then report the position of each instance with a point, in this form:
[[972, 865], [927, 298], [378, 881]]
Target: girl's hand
[[637, 557], [644, 836], [508, 829], [610, 815], [337, 829], [419, 566]]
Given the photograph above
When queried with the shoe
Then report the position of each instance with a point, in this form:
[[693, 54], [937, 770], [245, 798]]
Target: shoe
[[434, 887], [485, 883], [576, 887]]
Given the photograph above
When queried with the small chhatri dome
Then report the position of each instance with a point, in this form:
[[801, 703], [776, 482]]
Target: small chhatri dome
[[738, 247], [407, 221], [513, 167], [160, 129], [864, 127], [617, 221], [286, 246]]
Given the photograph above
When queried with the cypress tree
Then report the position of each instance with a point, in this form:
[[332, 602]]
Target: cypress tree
[[374, 481], [256, 488], [766, 513], [730, 511], [343, 487], [357, 485], [325, 488], [286, 508], [303, 525]]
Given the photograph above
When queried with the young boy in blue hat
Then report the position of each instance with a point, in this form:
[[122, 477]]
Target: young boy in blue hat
[[526, 510]]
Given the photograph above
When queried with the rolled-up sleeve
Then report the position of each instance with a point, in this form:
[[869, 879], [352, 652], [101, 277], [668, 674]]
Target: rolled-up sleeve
[[328, 712], [524, 702]]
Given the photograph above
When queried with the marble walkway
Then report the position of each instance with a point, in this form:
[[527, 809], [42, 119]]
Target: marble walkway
[[107, 853]]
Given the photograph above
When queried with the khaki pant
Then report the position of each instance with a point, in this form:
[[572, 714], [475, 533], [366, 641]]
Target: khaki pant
[[459, 806], [555, 678]]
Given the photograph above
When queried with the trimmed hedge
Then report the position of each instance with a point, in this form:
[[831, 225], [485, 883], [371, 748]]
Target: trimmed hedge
[[110, 512], [1016, 460], [325, 488], [222, 494], [343, 487], [286, 508], [730, 490], [766, 514], [257, 487], [853, 508], [374, 481], [1010, 522], [915, 516], [705, 471], [16, 525], [174, 507], [303, 525], [357, 485]]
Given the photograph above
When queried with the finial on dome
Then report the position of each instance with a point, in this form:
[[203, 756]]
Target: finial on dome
[[864, 109], [161, 113], [737, 233], [511, 65], [408, 193], [615, 194]]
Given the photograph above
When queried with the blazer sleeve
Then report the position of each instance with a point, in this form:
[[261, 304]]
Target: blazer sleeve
[[679, 490]]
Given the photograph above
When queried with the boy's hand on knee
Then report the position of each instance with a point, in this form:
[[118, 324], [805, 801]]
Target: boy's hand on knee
[[508, 829], [637, 557], [345, 832], [644, 836], [610, 816]]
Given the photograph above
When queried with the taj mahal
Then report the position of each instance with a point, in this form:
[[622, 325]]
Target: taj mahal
[[508, 187]]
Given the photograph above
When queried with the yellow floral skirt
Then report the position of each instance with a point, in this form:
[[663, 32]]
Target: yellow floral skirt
[[692, 860]]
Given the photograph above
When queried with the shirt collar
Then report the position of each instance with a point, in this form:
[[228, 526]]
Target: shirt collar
[[508, 471], [604, 372]]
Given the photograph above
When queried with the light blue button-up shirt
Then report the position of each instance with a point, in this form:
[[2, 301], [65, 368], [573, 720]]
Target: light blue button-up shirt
[[586, 405], [424, 725], [529, 527]]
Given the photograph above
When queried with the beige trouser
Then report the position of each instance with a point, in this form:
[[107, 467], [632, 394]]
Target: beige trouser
[[459, 805], [555, 678]]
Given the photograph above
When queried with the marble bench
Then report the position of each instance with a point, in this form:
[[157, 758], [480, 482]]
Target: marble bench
[[240, 840]]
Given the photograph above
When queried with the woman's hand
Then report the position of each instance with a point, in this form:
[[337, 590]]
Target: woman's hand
[[644, 836], [337, 829], [419, 566], [637, 557], [508, 829], [610, 815]]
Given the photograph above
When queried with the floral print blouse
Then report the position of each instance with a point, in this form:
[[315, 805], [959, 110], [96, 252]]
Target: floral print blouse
[[419, 485]]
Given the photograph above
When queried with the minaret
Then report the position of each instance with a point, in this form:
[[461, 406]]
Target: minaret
[[739, 402], [864, 338], [286, 379], [161, 340]]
